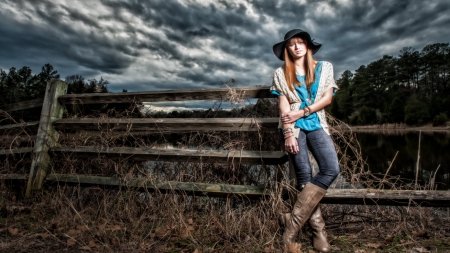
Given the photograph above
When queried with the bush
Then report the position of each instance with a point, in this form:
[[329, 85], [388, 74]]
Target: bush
[[383, 119], [367, 116], [440, 119], [353, 120], [396, 112], [335, 109], [416, 112]]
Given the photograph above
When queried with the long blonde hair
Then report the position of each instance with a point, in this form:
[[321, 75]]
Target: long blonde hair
[[289, 68]]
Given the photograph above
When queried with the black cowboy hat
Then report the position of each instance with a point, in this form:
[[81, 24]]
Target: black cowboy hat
[[278, 49]]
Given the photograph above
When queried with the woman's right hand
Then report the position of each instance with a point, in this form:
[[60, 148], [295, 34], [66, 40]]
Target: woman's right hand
[[291, 145]]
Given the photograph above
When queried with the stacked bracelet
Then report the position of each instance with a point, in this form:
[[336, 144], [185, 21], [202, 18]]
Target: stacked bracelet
[[286, 137], [287, 130]]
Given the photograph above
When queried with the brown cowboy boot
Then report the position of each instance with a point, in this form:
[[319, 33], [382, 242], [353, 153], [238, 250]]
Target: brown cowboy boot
[[320, 242], [307, 201], [293, 247]]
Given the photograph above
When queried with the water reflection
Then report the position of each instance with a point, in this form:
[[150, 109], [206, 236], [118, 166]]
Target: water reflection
[[379, 150]]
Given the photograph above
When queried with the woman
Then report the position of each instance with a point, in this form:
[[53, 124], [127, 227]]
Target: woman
[[304, 87]]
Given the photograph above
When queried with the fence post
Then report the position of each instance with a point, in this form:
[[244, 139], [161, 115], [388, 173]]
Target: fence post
[[293, 183], [47, 136]]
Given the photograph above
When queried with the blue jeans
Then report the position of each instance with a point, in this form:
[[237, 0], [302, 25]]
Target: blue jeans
[[322, 148]]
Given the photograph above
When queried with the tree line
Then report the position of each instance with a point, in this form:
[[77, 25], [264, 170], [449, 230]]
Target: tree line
[[412, 88], [19, 85]]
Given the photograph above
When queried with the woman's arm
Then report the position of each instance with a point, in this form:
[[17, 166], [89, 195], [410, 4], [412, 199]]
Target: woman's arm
[[292, 116], [323, 101], [290, 141]]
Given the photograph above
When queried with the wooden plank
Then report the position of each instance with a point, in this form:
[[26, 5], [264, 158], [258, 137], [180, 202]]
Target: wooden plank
[[334, 196], [219, 190], [167, 125], [165, 95], [18, 140], [47, 135], [388, 197], [22, 105], [14, 151], [179, 155], [14, 176], [14, 128]]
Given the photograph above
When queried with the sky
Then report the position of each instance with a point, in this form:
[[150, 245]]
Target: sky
[[142, 45]]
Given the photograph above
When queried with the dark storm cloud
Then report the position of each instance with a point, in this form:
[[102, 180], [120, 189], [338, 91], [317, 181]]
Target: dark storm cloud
[[201, 32], [56, 39], [80, 17], [91, 50], [190, 22], [363, 31], [163, 44]]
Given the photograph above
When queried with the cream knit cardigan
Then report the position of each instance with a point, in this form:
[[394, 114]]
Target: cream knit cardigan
[[326, 82]]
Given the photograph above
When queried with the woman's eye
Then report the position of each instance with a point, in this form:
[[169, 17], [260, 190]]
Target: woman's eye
[[298, 43]]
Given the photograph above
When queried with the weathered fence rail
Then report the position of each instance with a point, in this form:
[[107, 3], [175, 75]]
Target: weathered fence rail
[[15, 151], [179, 155], [17, 128], [22, 105], [164, 96], [170, 124], [51, 122], [333, 196]]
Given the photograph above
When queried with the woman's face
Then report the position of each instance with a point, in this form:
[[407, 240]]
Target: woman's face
[[297, 48]]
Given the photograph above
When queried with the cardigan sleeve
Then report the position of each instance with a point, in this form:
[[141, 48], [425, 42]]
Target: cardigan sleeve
[[276, 87], [280, 87], [329, 81]]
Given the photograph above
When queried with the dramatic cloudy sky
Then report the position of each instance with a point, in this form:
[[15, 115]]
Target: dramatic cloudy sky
[[168, 44]]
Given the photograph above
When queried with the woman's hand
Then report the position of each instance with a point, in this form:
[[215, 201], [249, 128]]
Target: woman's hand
[[292, 116], [291, 145]]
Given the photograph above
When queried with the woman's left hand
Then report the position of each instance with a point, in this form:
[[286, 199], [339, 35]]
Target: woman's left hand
[[291, 117]]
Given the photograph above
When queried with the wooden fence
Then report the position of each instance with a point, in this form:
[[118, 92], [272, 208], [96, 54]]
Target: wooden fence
[[51, 122]]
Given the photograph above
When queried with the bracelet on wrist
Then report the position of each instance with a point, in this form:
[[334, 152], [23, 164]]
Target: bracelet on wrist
[[287, 137], [306, 111]]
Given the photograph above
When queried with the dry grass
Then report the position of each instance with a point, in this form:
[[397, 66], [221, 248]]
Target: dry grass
[[101, 219]]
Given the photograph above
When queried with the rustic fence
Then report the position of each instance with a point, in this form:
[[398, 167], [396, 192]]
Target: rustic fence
[[52, 121]]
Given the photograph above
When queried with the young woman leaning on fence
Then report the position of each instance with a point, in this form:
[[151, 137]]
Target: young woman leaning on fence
[[304, 87]]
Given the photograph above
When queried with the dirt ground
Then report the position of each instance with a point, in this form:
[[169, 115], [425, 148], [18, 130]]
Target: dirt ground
[[24, 232], [74, 241]]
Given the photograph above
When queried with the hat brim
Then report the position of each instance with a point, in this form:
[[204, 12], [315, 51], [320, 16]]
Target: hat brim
[[278, 49]]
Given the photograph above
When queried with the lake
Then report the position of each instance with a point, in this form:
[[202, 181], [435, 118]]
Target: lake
[[379, 149]]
